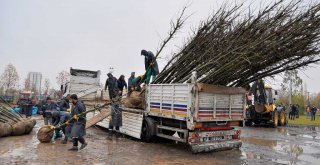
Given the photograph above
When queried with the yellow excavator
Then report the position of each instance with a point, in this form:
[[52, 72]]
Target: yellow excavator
[[261, 108]]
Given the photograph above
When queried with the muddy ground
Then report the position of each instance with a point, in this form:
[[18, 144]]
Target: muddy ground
[[284, 145]]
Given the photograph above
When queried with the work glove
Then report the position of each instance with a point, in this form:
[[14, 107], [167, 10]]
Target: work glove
[[51, 126], [76, 117], [68, 123]]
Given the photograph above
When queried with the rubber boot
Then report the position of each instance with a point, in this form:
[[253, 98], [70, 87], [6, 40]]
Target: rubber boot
[[65, 140], [74, 148]]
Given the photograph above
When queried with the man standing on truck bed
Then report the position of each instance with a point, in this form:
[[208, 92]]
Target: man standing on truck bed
[[112, 84], [150, 64]]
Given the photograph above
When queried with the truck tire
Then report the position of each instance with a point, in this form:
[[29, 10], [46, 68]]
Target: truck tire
[[148, 129], [275, 119], [282, 118]]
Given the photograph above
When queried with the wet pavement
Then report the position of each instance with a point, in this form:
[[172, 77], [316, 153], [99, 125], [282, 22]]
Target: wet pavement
[[284, 145]]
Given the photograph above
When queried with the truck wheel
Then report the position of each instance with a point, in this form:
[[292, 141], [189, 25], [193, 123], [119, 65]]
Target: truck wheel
[[148, 129], [275, 119], [282, 119]]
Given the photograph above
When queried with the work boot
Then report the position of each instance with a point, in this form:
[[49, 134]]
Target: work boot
[[74, 148], [83, 146], [65, 140]]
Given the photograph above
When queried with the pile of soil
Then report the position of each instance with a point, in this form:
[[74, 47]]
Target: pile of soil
[[135, 100]]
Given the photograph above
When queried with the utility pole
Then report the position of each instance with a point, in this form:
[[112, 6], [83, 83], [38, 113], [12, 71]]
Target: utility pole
[[290, 86], [308, 98]]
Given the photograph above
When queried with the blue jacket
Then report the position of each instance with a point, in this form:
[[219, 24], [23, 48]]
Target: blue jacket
[[48, 106], [61, 117], [121, 84], [64, 104]]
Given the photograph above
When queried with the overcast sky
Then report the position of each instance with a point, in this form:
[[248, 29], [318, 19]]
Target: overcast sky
[[49, 36]]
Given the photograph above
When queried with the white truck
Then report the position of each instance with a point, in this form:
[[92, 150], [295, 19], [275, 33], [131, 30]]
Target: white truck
[[84, 83], [206, 117]]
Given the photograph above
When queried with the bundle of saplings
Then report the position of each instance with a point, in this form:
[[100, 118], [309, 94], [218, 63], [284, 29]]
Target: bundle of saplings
[[237, 46], [13, 124]]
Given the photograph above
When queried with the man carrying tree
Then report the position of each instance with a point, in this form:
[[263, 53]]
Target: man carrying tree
[[78, 129], [151, 65]]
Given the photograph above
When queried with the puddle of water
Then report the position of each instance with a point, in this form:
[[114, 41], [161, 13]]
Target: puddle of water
[[304, 153]]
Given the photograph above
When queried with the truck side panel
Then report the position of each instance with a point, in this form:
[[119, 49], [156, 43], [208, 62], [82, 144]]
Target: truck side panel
[[168, 100], [222, 107], [131, 123]]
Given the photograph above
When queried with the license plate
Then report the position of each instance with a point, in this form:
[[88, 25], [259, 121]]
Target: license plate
[[216, 138]]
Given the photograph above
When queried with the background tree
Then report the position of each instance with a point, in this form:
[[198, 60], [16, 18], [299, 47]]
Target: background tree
[[1, 90], [27, 85], [9, 78], [63, 77], [46, 86], [299, 95], [316, 101], [34, 89], [296, 82]]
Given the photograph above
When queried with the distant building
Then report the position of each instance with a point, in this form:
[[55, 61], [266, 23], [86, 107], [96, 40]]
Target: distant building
[[35, 80]]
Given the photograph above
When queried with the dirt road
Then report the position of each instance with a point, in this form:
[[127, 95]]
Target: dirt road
[[287, 145]]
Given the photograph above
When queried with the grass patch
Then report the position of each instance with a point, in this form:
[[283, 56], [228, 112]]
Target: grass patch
[[303, 120]]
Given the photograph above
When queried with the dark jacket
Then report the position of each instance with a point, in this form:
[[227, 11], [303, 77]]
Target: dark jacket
[[112, 84], [314, 110], [121, 84], [79, 108], [61, 117], [148, 60], [48, 106], [64, 104], [78, 126]]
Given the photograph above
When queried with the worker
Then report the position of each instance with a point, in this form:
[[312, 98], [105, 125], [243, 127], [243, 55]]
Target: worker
[[62, 117], [64, 103], [121, 84], [308, 111], [112, 84], [313, 113], [130, 82], [151, 65], [135, 83], [28, 109], [116, 119], [78, 129], [47, 111]]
